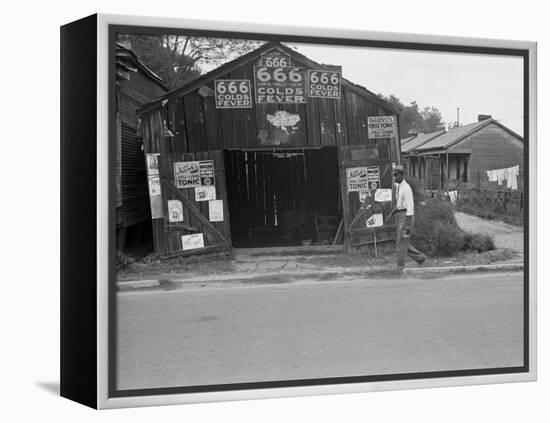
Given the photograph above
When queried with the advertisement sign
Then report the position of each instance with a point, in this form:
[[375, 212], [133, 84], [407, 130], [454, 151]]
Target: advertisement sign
[[275, 59], [382, 195], [324, 84], [205, 193], [155, 194], [375, 221], [190, 242], [363, 178], [152, 163], [373, 177], [187, 174], [279, 85], [232, 93], [215, 209], [356, 178], [206, 172], [381, 126], [175, 211]]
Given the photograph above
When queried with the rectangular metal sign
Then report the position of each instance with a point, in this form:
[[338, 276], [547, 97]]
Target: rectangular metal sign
[[381, 126], [233, 94], [324, 84], [362, 178], [187, 174], [279, 85]]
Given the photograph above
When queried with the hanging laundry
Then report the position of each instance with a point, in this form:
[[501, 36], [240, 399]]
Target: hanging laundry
[[509, 174], [453, 196]]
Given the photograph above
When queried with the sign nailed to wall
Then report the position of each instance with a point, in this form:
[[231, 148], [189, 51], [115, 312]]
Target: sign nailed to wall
[[233, 93], [324, 84], [381, 127], [187, 174], [279, 85], [193, 174], [362, 178], [206, 172], [275, 59]]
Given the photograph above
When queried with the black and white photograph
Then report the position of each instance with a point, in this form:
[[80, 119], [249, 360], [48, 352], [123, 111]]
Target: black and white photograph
[[314, 212], [275, 211]]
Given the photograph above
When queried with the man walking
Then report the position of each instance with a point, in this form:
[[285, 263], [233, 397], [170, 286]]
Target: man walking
[[404, 217]]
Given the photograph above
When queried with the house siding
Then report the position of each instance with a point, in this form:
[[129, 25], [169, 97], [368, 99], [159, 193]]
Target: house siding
[[492, 148]]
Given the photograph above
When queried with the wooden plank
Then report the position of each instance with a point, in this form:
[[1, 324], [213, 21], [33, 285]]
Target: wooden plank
[[194, 118], [326, 120], [340, 119], [312, 124]]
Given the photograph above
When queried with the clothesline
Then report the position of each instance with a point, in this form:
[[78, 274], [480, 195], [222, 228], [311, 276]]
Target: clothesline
[[509, 174]]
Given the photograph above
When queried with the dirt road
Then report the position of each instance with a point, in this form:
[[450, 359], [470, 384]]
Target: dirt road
[[505, 235]]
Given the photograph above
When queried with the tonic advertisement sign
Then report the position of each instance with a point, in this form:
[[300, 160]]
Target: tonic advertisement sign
[[233, 93], [381, 126], [363, 178], [279, 85], [187, 174], [324, 84]]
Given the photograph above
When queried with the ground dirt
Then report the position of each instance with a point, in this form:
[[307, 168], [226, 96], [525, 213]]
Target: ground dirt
[[505, 235]]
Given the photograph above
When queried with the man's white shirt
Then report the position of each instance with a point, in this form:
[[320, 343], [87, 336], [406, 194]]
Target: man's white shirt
[[405, 199]]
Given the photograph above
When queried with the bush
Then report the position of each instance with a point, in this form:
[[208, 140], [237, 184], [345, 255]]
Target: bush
[[436, 232], [478, 242]]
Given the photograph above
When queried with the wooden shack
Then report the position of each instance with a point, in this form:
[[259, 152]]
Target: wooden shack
[[270, 149], [135, 85], [463, 155]]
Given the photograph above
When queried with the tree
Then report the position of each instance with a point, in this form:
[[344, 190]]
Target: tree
[[179, 59], [412, 119]]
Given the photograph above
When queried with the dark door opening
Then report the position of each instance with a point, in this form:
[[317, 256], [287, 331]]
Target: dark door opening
[[283, 197]]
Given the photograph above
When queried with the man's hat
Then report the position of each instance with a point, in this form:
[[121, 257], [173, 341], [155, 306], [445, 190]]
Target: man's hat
[[398, 169]]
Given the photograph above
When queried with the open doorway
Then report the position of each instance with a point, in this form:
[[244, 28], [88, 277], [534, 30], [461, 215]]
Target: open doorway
[[283, 197]]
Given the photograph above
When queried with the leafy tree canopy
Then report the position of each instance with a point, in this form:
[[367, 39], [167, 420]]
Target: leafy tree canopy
[[415, 119], [179, 59]]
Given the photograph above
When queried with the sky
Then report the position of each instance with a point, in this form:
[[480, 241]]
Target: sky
[[475, 83]]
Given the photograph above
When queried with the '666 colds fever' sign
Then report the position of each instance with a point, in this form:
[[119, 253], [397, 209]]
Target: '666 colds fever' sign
[[279, 84], [233, 93]]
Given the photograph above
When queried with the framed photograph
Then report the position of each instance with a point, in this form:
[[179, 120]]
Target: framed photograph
[[254, 211]]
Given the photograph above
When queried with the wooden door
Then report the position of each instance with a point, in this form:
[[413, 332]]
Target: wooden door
[[188, 215], [359, 204]]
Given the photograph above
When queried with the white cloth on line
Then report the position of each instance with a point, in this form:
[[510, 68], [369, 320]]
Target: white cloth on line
[[510, 174]]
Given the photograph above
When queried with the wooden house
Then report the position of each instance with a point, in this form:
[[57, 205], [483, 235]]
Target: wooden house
[[270, 149], [136, 85], [462, 156]]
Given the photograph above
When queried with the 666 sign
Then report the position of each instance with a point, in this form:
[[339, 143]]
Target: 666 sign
[[233, 93], [279, 84], [324, 84]]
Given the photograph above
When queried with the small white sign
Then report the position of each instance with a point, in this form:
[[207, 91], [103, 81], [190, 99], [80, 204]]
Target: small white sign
[[154, 186], [175, 211], [191, 242], [205, 193], [215, 208], [382, 195], [152, 163], [375, 221]]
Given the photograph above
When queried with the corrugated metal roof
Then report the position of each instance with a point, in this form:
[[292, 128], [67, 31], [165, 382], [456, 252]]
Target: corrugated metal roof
[[453, 135], [420, 140]]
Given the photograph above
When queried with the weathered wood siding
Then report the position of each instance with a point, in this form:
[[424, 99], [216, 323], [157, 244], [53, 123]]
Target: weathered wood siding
[[133, 94], [198, 126], [492, 148]]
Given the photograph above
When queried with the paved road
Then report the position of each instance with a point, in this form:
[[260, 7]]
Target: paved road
[[319, 329], [505, 235]]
